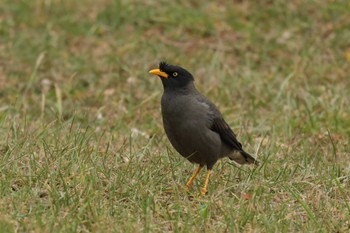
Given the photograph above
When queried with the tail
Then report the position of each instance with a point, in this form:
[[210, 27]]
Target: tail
[[243, 157], [249, 158]]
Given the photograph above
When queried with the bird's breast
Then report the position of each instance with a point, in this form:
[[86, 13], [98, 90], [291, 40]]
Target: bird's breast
[[184, 108], [186, 124]]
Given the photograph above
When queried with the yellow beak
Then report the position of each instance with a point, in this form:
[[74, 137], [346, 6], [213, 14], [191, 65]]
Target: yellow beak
[[159, 73]]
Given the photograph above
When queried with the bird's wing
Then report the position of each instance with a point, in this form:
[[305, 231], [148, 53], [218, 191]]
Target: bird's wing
[[220, 126]]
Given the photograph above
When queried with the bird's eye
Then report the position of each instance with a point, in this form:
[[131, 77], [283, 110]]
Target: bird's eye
[[175, 74]]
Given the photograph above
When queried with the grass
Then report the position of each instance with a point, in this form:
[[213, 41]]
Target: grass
[[81, 139]]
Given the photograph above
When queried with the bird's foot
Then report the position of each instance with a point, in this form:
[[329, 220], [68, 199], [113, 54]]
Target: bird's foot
[[204, 191]]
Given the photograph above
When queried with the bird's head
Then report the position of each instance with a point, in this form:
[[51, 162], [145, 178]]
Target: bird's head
[[173, 76]]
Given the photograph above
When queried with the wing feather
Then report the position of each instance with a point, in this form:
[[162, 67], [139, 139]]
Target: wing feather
[[227, 135]]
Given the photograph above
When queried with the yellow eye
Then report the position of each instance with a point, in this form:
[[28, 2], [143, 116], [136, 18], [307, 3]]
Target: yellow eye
[[175, 74]]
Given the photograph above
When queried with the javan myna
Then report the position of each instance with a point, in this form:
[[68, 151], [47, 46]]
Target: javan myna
[[194, 125]]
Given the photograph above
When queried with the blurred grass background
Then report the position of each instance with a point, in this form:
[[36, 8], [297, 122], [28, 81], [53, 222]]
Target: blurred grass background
[[81, 139]]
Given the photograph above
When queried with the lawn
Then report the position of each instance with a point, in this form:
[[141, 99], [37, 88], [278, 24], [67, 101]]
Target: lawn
[[82, 147]]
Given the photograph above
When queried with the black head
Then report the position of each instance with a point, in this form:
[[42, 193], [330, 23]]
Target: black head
[[173, 76]]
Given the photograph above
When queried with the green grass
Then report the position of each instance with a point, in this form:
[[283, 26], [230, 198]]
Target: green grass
[[81, 138]]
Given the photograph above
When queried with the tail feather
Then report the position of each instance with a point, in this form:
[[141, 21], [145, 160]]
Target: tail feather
[[243, 157], [249, 158]]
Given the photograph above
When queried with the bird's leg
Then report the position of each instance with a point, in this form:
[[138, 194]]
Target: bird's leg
[[188, 184], [204, 189]]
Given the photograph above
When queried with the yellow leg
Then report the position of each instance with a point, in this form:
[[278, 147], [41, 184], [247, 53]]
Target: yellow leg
[[193, 177], [204, 189]]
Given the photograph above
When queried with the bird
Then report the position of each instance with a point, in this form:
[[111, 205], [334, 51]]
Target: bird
[[194, 125]]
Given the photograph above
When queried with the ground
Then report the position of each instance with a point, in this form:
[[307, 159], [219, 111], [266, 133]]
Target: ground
[[81, 138]]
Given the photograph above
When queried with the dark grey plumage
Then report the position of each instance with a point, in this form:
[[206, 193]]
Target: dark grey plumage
[[193, 124]]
